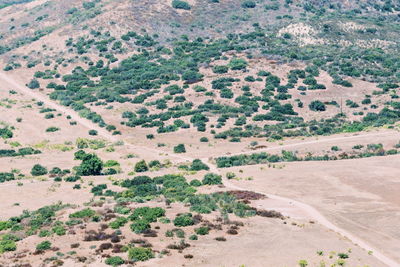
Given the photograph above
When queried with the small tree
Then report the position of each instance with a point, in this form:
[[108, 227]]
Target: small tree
[[38, 170], [33, 84], [317, 105], [180, 149], [91, 164], [141, 166]]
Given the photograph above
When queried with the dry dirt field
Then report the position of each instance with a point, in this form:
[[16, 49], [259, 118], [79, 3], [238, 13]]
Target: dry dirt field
[[357, 195]]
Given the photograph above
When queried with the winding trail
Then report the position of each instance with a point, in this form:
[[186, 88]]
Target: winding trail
[[307, 209]]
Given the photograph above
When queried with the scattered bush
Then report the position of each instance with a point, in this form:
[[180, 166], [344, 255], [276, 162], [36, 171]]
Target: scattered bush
[[180, 148], [317, 105], [212, 179], [93, 132], [141, 166], [248, 4], [45, 245], [183, 220], [140, 254], [38, 170], [114, 261], [179, 4], [202, 230]]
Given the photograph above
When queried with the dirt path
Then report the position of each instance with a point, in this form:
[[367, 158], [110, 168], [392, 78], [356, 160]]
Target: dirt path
[[307, 209], [311, 142]]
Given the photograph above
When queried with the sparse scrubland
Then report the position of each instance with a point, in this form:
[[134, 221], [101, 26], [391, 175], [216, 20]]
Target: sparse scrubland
[[199, 133]]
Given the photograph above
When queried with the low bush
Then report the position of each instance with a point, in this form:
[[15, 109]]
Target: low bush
[[38, 170], [212, 179], [204, 230], [183, 220], [140, 254], [114, 261], [179, 4], [141, 166], [85, 213], [45, 245], [180, 148]]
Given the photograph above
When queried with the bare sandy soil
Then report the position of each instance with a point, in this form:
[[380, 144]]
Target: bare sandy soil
[[357, 195]]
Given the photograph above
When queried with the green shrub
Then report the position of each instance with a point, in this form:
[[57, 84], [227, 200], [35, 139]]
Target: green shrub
[[7, 245], [52, 129], [44, 233], [4, 225], [317, 105], [38, 170], [93, 132], [45, 245], [202, 230], [335, 148], [6, 176], [220, 69], [204, 139], [141, 166], [139, 226], [183, 220], [248, 4], [195, 183], [49, 116], [237, 64], [155, 164], [91, 164], [147, 213], [180, 148], [6, 133], [230, 175], [198, 165], [193, 237], [114, 261], [33, 84], [179, 4], [85, 213], [59, 230], [212, 179], [140, 254]]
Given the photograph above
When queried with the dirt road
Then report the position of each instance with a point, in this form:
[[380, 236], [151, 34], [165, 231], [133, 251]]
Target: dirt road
[[311, 212]]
